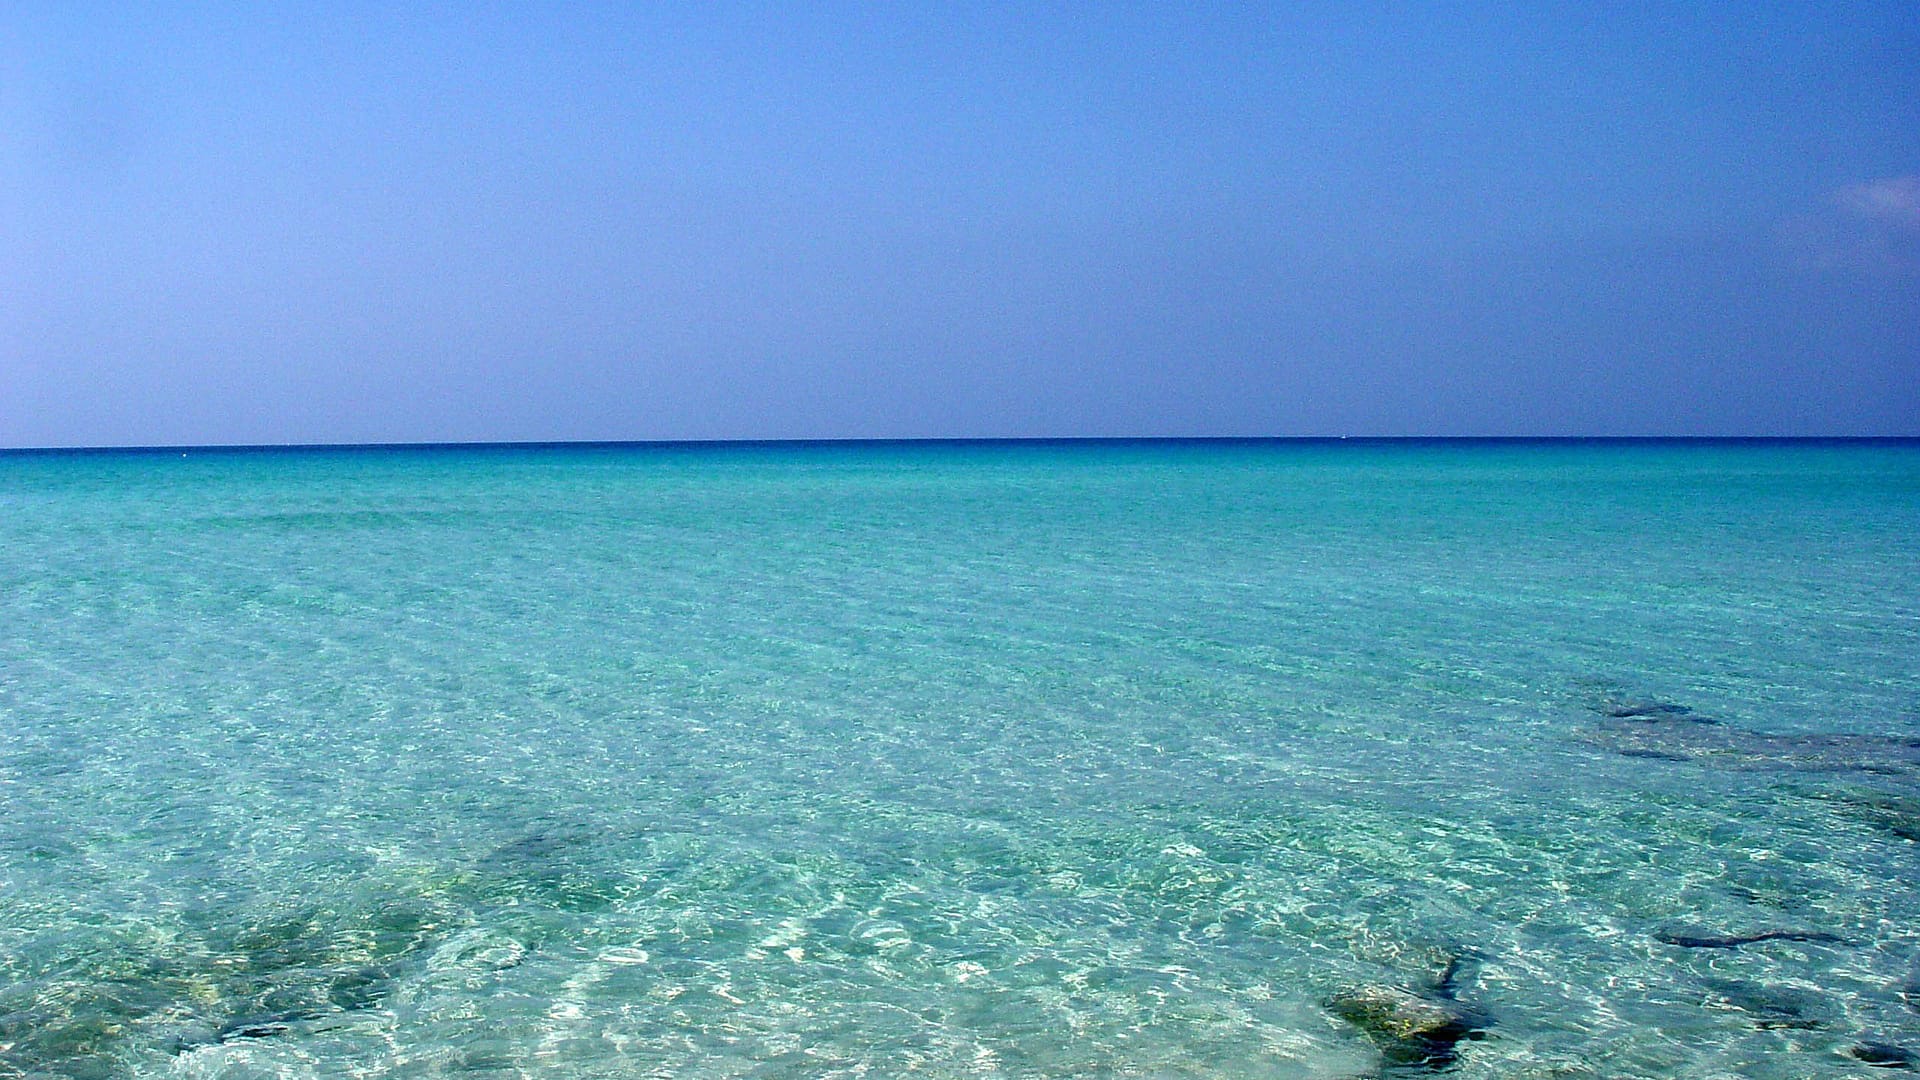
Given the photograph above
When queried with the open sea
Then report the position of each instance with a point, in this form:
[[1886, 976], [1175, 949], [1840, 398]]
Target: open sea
[[1319, 759]]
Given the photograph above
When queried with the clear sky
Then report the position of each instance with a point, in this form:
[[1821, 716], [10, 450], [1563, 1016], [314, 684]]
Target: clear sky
[[365, 223]]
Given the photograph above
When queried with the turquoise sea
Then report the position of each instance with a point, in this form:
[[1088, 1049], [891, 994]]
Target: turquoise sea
[[1141, 759]]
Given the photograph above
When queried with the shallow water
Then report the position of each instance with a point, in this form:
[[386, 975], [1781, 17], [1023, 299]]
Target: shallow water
[[986, 760]]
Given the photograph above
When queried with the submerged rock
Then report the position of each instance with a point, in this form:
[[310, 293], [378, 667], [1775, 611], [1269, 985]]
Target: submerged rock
[[1409, 1028], [1897, 814], [1772, 1007], [219, 975], [1619, 703], [1649, 709], [1414, 1029], [1694, 938], [1884, 1055], [1641, 725], [1734, 748], [262, 1027], [559, 866], [1656, 755]]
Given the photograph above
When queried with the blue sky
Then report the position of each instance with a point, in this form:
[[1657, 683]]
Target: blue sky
[[354, 223]]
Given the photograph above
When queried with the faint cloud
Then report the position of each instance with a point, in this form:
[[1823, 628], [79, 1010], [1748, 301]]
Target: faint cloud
[[1894, 202], [1871, 227]]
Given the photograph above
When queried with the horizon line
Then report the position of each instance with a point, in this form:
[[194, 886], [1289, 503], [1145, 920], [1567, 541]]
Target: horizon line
[[961, 440]]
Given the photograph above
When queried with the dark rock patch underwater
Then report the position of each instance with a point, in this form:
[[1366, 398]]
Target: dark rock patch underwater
[[217, 978], [1884, 1055], [1643, 726], [1414, 1029], [91, 1002], [1693, 938], [1772, 1007]]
